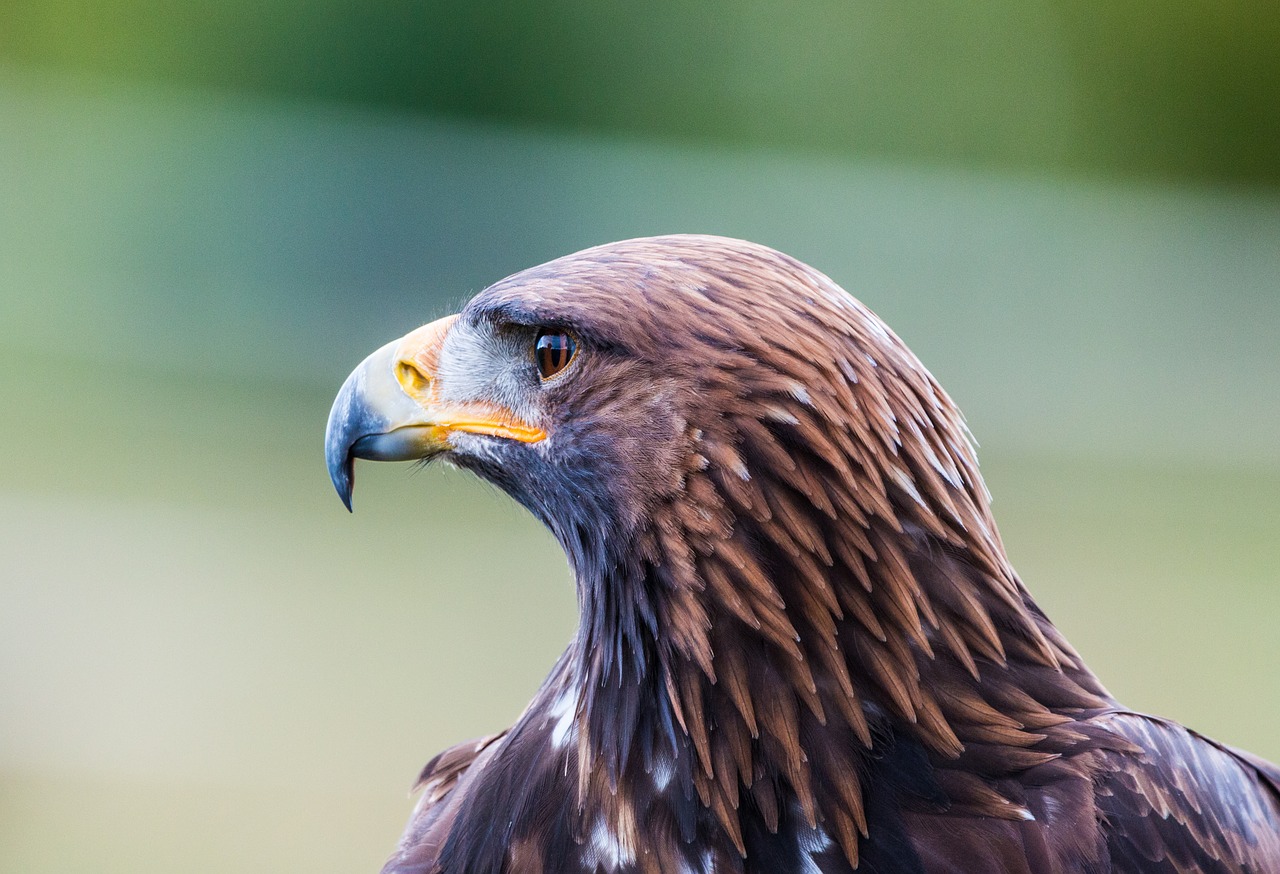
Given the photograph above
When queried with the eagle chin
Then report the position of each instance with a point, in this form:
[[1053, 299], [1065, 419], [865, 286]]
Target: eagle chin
[[802, 647]]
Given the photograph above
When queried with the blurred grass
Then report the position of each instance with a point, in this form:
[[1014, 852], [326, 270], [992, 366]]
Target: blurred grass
[[1182, 90], [208, 665]]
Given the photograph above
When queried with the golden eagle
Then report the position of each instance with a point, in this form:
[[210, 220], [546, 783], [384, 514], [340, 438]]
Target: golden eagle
[[801, 645]]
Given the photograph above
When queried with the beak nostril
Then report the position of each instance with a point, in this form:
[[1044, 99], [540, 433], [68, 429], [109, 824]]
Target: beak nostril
[[412, 379]]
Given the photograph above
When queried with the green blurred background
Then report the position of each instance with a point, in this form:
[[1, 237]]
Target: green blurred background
[[210, 212]]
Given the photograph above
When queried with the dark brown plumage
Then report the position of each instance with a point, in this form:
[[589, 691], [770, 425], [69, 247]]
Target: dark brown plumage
[[802, 647]]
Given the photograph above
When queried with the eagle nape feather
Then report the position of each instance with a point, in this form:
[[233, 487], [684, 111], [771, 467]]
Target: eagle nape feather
[[801, 646]]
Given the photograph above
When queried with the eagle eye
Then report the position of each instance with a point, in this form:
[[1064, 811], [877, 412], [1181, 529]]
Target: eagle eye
[[553, 350]]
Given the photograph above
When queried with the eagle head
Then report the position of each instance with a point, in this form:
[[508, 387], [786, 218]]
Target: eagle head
[[659, 384]]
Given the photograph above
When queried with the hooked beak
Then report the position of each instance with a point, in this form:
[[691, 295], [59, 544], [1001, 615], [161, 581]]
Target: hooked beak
[[389, 410]]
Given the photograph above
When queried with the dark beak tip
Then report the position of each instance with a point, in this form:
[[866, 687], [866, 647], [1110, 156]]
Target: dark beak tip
[[341, 467], [343, 476]]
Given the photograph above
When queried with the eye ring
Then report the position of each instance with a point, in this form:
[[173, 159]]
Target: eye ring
[[553, 350]]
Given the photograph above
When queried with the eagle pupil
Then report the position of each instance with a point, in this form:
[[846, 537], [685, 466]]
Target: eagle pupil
[[553, 351]]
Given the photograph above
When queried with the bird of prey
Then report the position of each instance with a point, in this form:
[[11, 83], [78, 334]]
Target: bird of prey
[[801, 647]]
